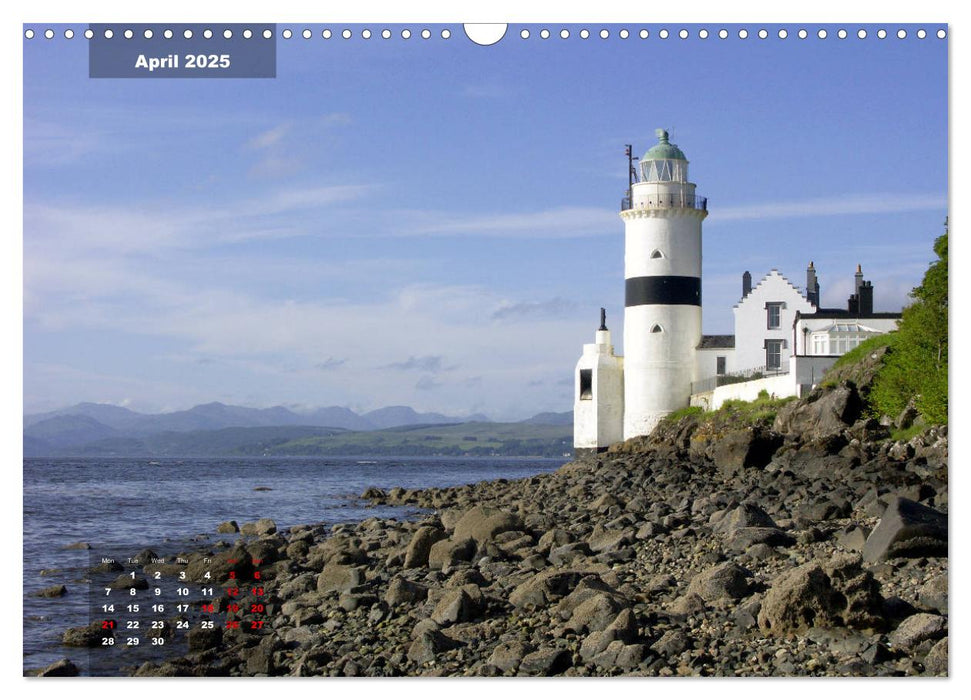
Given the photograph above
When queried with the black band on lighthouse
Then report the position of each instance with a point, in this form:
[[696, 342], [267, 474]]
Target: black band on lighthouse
[[663, 290]]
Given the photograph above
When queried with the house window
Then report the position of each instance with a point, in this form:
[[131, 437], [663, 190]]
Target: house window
[[773, 314], [586, 384], [720, 364], [773, 354]]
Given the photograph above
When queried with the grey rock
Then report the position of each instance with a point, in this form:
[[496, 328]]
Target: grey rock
[[568, 553], [545, 587], [742, 538], [230, 527], [450, 552], [723, 582], [916, 629], [339, 577], [263, 526], [671, 643], [824, 413], [421, 544], [401, 591], [88, 636], [744, 516], [609, 540], [545, 662], [139, 583], [852, 537], [62, 668], [907, 529], [933, 594], [428, 645], [935, 663], [51, 592], [201, 639], [594, 614], [837, 593], [483, 523], [508, 655], [459, 605]]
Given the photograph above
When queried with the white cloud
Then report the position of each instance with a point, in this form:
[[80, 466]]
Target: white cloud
[[561, 222], [270, 137]]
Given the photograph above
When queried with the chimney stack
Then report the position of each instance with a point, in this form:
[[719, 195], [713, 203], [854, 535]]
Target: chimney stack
[[746, 284], [812, 285], [861, 301]]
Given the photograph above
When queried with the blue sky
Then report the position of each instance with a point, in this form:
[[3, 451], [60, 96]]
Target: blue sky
[[434, 223]]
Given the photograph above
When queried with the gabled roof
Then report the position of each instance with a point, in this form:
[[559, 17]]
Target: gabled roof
[[716, 341], [776, 273]]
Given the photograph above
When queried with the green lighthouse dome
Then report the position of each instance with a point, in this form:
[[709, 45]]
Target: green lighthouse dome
[[663, 150]]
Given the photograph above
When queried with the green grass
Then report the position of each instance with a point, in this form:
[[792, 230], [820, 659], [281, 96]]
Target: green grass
[[735, 411], [761, 410], [675, 416], [906, 434]]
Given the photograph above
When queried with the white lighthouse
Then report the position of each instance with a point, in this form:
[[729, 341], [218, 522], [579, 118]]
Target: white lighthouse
[[617, 398], [662, 271]]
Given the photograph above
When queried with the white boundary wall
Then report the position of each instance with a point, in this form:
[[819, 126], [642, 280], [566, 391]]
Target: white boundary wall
[[779, 386]]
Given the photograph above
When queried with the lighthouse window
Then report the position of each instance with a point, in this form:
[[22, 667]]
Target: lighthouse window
[[656, 254], [586, 384], [720, 364], [773, 312], [656, 329]]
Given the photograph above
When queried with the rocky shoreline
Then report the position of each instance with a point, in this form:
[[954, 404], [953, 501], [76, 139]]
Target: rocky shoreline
[[807, 543]]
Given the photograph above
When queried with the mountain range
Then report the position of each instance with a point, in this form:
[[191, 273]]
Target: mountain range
[[94, 427]]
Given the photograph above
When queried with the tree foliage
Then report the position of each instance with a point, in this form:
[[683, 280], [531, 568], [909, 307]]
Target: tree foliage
[[916, 368]]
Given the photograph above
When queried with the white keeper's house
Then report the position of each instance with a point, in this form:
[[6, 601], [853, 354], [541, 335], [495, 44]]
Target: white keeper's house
[[783, 339]]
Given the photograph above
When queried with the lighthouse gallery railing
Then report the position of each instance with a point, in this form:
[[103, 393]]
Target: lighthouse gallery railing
[[670, 200]]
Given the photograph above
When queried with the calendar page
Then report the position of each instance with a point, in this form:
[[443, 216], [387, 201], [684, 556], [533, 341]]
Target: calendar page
[[533, 349]]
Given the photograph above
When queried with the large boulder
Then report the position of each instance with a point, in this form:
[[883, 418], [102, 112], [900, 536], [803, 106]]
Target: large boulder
[[483, 523], [450, 552], [545, 662], [916, 629], [823, 413], [421, 544], [459, 605], [623, 629], [339, 578], [401, 591], [508, 655], [64, 667], [428, 644], [745, 515], [723, 582], [263, 526], [836, 593], [752, 446], [907, 529], [88, 636], [545, 587], [935, 663]]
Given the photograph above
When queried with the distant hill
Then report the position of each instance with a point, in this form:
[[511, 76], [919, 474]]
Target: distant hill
[[220, 429], [61, 431], [551, 419], [394, 416], [215, 415], [256, 441]]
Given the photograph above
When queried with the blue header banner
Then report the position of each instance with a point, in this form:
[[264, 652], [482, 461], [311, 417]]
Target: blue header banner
[[182, 51]]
